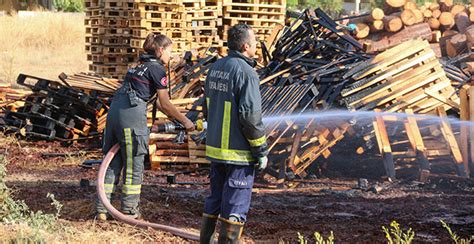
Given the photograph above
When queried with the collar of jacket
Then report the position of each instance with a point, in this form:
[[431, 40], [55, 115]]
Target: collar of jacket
[[251, 62], [149, 58]]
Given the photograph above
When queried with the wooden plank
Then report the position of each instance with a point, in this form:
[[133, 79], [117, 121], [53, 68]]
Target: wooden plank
[[471, 118], [464, 116], [421, 150], [449, 136], [385, 146], [294, 150]]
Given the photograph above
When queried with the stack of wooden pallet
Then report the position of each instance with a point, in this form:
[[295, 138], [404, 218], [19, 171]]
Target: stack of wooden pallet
[[55, 111], [203, 18], [262, 15], [164, 150], [108, 37], [406, 76], [165, 17]]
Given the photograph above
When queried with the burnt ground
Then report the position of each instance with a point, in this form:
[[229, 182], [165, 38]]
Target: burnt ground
[[323, 205]]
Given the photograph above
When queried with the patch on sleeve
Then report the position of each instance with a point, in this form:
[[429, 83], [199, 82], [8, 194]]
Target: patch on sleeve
[[164, 81]]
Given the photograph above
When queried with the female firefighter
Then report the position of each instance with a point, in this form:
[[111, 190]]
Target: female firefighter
[[127, 122]]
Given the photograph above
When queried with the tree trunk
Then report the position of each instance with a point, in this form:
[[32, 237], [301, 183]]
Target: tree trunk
[[377, 14], [396, 3], [408, 17], [456, 45], [446, 19], [392, 23], [362, 30], [434, 23], [462, 22]]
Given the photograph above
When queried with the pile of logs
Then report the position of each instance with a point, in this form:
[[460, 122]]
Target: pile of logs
[[445, 24]]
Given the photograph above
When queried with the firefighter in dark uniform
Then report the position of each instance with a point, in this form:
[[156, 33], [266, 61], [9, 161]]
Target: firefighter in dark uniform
[[235, 143], [127, 123]]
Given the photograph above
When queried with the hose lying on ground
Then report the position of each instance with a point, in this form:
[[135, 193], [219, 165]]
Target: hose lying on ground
[[121, 217]]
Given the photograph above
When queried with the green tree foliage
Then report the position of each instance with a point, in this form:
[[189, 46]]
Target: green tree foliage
[[69, 5], [330, 6]]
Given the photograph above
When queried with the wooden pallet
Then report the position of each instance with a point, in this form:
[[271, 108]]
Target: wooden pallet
[[89, 83], [173, 33], [179, 45], [466, 94], [121, 4], [112, 59], [406, 76], [107, 41], [422, 149], [108, 69], [202, 4], [102, 22]]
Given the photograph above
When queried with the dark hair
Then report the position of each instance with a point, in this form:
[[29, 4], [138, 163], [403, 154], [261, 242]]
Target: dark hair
[[237, 36], [154, 41]]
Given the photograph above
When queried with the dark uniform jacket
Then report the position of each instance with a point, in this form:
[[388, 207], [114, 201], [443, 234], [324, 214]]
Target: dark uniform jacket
[[147, 77], [235, 134]]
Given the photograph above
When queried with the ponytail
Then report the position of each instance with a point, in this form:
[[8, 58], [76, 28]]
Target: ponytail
[[154, 41]]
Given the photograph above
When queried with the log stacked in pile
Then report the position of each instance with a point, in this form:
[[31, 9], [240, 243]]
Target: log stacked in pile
[[108, 37], [445, 24]]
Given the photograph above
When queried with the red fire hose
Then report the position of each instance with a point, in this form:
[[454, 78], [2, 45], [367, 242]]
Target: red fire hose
[[121, 217]]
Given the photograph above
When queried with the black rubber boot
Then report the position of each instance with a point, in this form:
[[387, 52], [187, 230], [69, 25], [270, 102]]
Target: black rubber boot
[[208, 226], [230, 232]]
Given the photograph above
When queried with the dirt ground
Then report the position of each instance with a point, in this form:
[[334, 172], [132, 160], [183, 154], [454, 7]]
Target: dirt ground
[[322, 205]]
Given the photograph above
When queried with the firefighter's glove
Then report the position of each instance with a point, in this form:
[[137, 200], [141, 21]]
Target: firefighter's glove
[[262, 163]]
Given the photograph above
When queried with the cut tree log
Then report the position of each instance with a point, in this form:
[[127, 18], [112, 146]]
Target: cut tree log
[[392, 23], [458, 9], [362, 30], [449, 33], [418, 16], [462, 21], [445, 5], [377, 14], [410, 5], [408, 17], [396, 3], [427, 13], [436, 13], [456, 45], [434, 6], [377, 25], [382, 41], [434, 23], [446, 19], [470, 37]]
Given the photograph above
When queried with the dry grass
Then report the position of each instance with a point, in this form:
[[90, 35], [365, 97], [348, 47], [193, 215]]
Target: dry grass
[[43, 45], [89, 232]]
